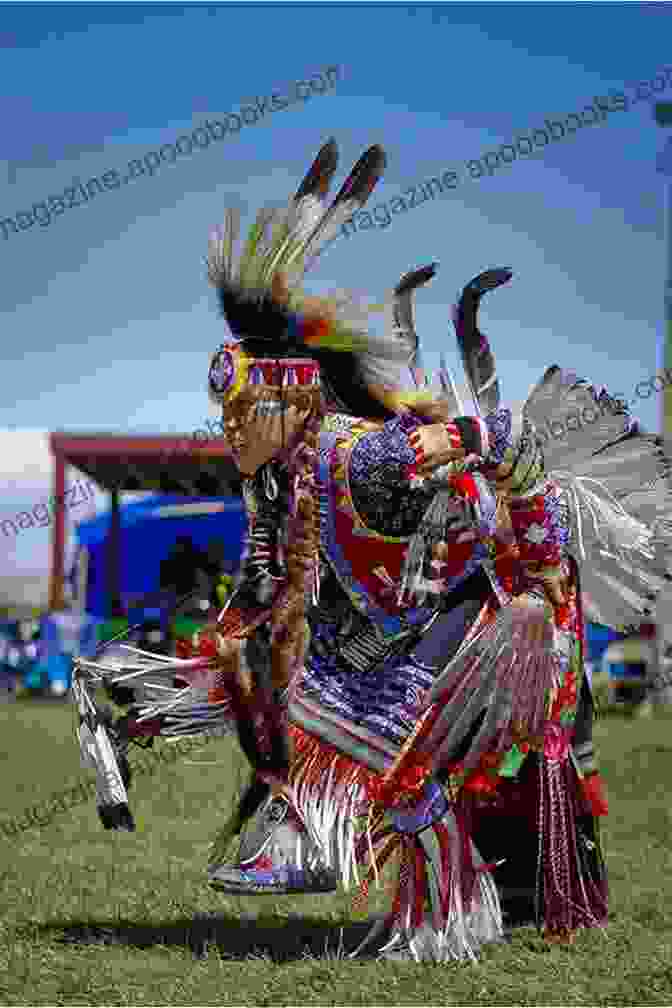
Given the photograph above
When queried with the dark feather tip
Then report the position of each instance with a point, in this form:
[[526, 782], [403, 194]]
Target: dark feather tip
[[489, 280], [416, 278], [366, 173], [549, 373], [318, 179], [116, 817]]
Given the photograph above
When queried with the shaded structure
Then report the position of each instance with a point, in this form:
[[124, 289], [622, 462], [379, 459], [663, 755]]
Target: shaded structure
[[118, 463]]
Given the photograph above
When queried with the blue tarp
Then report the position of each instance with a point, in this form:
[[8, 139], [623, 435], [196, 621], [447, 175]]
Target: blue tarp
[[147, 539]]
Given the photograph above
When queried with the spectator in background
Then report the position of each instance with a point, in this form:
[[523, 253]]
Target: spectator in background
[[178, 572], [19, 665], [64, 634], [221, 582], [8, 666], [188, 579], [188, 570]]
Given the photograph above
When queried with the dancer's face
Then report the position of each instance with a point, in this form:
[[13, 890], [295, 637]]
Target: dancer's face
[[265, 403], [260, 430]]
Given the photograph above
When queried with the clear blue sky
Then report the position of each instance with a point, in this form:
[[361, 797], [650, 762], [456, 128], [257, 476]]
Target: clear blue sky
[[107, 320]]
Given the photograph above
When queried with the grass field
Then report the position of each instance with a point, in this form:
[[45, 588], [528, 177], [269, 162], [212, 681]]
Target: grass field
[[91, 917]]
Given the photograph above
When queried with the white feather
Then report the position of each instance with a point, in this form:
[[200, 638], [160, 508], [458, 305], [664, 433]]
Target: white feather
[[616, 481], [574, 424]]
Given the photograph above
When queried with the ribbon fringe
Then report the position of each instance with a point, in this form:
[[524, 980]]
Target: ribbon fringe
[[445, 904]]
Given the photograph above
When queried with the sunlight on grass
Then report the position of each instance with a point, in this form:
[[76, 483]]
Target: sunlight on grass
[[91, 917]]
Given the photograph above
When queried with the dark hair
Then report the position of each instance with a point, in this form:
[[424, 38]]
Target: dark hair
[[344, 383], [341, 373]]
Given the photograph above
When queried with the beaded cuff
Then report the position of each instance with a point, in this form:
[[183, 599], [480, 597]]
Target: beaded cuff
[[474, 434]]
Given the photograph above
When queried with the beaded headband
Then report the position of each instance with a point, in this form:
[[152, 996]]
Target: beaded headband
[[232, 370]]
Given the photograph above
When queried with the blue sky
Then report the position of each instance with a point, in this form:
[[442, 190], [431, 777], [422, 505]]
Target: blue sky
[[106, 319]]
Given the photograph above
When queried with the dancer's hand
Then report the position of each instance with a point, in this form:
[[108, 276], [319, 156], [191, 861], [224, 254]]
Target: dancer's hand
[[435, 445]]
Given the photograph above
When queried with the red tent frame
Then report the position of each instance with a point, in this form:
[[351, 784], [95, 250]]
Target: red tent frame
[[167, 463]]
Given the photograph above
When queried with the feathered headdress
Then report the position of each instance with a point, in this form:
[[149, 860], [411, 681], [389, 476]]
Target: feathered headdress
[[261, 295]]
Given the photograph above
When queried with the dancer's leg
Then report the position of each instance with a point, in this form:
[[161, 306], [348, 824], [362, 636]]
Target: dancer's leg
[[276, 854]]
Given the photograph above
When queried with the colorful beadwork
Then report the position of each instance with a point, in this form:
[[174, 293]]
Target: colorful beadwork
[[232, 369]]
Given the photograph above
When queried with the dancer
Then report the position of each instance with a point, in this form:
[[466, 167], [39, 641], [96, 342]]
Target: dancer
[[395, 530]]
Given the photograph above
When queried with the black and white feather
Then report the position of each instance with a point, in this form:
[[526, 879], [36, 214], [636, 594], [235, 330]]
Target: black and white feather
[[388, 357], [290, 237], [99, 753], [477, 358]]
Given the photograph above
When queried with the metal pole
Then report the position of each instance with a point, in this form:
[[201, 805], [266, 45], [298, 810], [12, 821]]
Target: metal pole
[[56, 593], [662, 113], [662, 691], [666, 428], [114, 557]]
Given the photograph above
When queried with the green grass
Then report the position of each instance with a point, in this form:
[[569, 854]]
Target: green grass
[[91, 917]]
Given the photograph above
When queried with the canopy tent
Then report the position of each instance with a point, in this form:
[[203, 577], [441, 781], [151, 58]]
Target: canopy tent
[[177, 464], [26, 477], [148, 530]]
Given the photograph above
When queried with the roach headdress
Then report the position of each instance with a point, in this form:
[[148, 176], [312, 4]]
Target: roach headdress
[[271, 317]]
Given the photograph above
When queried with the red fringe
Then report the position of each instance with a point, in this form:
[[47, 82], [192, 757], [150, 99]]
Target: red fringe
[[313, 757]]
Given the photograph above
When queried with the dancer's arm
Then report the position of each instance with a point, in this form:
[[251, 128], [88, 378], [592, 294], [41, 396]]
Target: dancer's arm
[[389, 467]]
